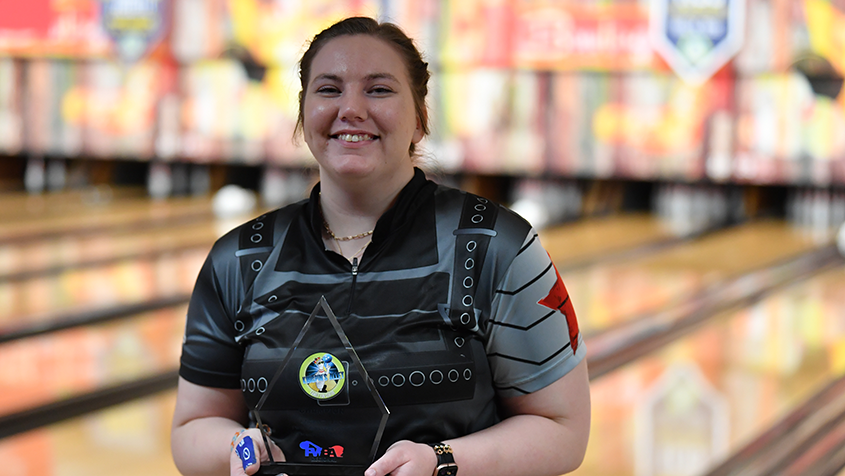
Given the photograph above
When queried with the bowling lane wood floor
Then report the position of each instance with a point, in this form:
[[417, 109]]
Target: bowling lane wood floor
[[72, 446], [687, 405]]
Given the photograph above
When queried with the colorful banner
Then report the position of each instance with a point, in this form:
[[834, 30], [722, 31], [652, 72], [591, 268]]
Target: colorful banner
[[135, 26], [697, 37], [36, 28], [596, 37], [544, 35], [476, 33]]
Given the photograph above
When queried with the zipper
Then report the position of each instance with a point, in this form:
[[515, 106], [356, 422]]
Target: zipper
[[354, 282]]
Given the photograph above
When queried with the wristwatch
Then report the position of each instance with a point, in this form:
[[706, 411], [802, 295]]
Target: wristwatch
[[445, 461]]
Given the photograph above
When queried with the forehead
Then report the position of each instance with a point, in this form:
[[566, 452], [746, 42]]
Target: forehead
[[353, 56]]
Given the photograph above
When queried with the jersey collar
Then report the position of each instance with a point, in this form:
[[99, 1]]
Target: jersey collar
[[411, 197]]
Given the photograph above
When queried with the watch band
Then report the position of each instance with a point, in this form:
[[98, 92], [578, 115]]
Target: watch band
[[446, 465]]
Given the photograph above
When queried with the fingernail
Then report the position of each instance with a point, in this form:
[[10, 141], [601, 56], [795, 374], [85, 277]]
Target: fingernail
[[245, 452]]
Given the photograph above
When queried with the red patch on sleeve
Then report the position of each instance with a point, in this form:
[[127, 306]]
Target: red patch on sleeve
[[558, 299]]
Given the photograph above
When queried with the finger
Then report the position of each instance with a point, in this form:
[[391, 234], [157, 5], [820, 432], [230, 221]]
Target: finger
[[383, 466], [391, 462], [276, 451]]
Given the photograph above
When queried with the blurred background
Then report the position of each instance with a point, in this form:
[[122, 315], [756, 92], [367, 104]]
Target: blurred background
[[683, 160]]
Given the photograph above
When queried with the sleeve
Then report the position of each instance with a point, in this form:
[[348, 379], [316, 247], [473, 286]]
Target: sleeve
[[533, 336], [210, 355]]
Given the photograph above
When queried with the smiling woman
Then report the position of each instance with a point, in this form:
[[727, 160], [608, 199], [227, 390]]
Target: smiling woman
[[454, 307]]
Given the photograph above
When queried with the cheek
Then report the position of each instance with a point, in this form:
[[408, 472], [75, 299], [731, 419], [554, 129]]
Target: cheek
[[315, 118], [398, 117]]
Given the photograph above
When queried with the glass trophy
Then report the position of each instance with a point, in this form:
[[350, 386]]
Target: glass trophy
[[330, 415]]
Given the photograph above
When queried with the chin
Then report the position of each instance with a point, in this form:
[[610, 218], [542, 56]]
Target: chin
[[355, 168]]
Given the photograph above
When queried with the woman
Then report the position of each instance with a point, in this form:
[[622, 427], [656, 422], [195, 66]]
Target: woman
[[454, 307]]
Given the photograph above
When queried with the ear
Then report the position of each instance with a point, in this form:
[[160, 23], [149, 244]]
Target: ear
[[418, 132]]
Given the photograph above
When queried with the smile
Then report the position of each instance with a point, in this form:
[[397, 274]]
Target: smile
[[354, 137]]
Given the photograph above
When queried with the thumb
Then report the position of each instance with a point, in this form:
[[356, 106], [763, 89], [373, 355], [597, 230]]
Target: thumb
[[250, 451], [244, 459]]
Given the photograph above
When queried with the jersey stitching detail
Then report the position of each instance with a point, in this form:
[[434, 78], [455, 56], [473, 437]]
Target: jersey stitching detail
[[527, 361], [526, 245], [524, 392], [523, 328], [529, 283]]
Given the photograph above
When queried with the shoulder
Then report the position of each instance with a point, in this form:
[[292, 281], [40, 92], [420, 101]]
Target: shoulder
[[261, 231], [477, 212]]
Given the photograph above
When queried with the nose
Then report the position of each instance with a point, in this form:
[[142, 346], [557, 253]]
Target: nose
[[353, 107]]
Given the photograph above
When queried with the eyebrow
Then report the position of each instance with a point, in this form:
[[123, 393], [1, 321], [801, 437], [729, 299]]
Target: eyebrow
[[369, 77]]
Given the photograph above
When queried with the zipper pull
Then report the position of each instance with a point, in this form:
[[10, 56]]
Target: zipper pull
[[355, 266]]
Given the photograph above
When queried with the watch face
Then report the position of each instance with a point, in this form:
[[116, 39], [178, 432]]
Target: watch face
[[450, 469]]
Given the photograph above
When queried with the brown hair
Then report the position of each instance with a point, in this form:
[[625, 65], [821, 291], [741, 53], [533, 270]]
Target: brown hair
[[389, 33]]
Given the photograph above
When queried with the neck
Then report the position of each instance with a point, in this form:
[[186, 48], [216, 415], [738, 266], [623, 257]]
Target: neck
[[353, 208]]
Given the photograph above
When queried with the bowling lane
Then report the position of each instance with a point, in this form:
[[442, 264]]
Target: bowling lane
[[21, 204], [682, 409], [132, 439], [96, 216], [589, 239], [64, 251], [59, 365], [77, 290], [614, 292]]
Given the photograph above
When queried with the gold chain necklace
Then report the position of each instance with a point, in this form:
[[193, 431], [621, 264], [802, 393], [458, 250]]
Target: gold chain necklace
[[346, 238], [343, 238], [337, 239]]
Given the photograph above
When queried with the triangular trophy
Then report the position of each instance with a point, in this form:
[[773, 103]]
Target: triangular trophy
[[331, 415]]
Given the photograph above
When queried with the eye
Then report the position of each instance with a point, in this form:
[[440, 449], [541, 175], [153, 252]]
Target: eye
[[380, 90], [327, 90]]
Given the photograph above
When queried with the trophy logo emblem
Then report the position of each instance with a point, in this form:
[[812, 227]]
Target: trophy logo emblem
[[322, 376]]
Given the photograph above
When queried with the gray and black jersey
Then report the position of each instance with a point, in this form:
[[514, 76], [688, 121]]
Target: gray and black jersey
[[455, 303]]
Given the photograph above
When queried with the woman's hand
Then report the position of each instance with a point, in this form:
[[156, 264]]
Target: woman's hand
[[250, 444], [405, 458]]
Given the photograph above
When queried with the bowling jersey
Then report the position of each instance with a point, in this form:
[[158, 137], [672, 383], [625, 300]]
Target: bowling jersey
[[454, 304]]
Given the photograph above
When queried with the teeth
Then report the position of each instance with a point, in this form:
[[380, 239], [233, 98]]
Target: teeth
[[354, 137]]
